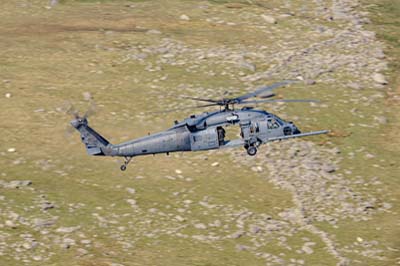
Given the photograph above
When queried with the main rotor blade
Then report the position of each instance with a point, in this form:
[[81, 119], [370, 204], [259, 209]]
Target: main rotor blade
[[200, 99], [280, 101], [183, 108], [263, 89]]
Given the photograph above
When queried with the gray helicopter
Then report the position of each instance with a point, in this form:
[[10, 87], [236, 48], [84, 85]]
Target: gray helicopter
[[204, 131]]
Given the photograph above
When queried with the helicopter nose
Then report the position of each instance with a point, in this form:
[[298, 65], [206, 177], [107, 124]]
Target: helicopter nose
[[295, 129]]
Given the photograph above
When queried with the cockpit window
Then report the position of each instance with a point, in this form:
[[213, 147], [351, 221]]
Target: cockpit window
[[279, 120], [272, 123]]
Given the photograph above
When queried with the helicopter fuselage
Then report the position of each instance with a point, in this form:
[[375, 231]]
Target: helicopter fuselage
[[205, 132]]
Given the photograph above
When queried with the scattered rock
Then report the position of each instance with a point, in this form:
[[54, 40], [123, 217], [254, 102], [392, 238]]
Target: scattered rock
[[11, 150], [215, 164], [67, 230], [131, 190], [184, 17], [179, 218], [43, 222], [269, 19], [329, 168], [200, 226], [87, 96], [132, 202], [379, 78], [307, 250], [37, 258], [310, 82], [47, 206], [153, 32], [241, 247], [11, 224], [248, 66], [237, 234], [17, 184], [381, 119], [8, 95]]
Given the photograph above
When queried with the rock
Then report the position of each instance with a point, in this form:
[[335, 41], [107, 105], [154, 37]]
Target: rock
[[131, 190], [53, 2], [37, 258], [153, 32], [359, 239], [248, 66], [178, 171], [307, 250], [26, 245], [11, 150], [215, 164], [86, 241], [257, 169], [67, 229], [87, 96], [82, 252], [369, 156], [269, 19], [8, 95], [237, 234], [310, 82], [254, 229], [11, 224], [179, 218], [329, 168], [386, 205], [381, 119], [184, 17], [47, 206], [200, 226], [379, 78], [68, 242], [132, 202], [18, 184], [241, 247]]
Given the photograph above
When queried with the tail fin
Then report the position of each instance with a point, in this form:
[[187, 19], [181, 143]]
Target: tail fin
[[94, 142]]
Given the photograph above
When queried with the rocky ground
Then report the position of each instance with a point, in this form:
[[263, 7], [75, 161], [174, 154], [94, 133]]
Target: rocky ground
[[330, 200]]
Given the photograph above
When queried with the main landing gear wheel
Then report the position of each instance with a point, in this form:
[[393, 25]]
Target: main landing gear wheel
[[123, 167], [251, 150]]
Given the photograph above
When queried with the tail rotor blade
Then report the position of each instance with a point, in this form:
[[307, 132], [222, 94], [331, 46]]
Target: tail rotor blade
[[91, 110]]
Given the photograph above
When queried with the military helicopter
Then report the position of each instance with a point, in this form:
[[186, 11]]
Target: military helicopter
[[204, 131]]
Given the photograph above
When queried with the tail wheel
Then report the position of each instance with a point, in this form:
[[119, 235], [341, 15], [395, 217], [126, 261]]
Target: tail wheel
[[251, 150]]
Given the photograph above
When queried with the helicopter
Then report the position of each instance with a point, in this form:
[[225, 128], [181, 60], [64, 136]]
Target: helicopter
[[204, 131]]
